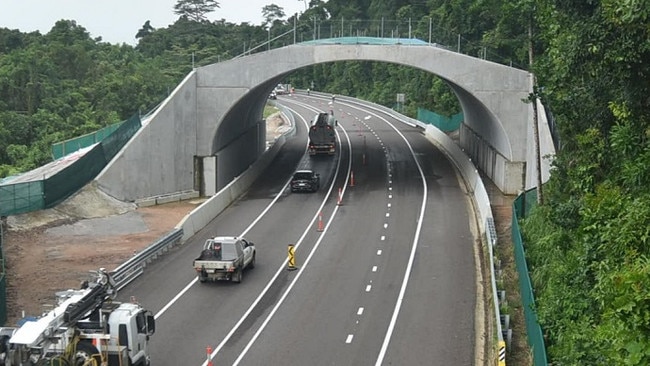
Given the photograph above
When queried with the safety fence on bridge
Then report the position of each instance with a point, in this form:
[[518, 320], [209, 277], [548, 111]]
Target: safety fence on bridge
[[421, 31], [49, 185]]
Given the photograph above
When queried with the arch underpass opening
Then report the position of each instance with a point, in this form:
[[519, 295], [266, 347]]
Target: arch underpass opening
[[215, 113]]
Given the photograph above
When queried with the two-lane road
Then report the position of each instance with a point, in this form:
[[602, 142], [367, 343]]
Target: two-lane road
[[390, 278]]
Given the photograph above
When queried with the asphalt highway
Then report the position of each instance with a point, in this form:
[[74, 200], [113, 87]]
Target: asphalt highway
[[385, 257]]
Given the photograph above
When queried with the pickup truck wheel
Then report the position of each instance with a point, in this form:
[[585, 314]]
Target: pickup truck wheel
[[237, 276], [202, 279], [251, 265]]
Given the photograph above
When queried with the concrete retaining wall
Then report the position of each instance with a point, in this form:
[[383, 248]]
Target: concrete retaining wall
[[202, 215]]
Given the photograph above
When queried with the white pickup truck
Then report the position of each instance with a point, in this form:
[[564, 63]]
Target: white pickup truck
[[225, 258]]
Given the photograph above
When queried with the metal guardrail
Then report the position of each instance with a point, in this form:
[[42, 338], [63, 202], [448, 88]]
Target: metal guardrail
[[134, 267]]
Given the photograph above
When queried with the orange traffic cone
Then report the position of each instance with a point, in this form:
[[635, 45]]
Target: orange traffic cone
[[320, 222]]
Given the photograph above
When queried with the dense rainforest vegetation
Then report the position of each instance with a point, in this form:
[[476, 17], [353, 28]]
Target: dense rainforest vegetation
[[587, 245]]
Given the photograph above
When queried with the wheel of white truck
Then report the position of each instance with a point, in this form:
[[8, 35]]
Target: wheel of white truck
[[85, 354], [237, 276], [251, 265]]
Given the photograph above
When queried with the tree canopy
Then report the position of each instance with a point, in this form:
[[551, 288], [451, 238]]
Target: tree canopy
[[587, 246], [195, 10]]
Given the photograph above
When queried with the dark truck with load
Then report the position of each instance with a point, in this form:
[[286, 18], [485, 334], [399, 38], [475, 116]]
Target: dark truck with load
[[322, 138], [225, 258]]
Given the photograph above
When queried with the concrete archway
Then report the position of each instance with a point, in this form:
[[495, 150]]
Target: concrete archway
[[213, 123]]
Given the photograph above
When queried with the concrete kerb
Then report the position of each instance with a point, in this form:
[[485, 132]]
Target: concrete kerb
[[198, 218]]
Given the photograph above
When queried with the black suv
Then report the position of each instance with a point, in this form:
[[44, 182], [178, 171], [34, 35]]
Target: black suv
[[305, 181]]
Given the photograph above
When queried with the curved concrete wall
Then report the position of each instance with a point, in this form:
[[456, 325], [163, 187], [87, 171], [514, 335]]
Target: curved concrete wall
[[496, 119], [490, 93]]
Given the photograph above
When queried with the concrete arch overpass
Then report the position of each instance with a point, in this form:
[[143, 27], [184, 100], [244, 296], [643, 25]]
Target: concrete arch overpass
[[210, 129]]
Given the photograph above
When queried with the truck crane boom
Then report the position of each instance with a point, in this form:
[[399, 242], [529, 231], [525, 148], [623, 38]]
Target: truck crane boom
[[86, 326]]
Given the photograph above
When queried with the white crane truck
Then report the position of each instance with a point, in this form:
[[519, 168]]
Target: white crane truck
[[87, 328]]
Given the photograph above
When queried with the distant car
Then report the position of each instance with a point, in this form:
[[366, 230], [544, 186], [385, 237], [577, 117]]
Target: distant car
[[305, 181], [273, 95]]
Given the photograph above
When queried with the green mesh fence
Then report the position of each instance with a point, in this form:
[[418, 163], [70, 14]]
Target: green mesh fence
[[525, 202], [113, 143], [61, 149], [37, 195], [3, 279], [443, 123], [521, 206], [21, 197], [66, 182]]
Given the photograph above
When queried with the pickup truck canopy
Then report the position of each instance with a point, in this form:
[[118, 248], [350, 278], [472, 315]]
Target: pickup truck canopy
[[222, 249]]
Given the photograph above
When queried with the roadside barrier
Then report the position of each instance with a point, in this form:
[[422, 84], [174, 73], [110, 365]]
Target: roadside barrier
[[134, 267]]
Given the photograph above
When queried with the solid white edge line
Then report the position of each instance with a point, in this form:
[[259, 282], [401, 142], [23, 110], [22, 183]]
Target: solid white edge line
[[280, 269], [300, 270]]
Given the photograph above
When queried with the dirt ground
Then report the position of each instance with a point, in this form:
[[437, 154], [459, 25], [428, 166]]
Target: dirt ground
[[55, 249]]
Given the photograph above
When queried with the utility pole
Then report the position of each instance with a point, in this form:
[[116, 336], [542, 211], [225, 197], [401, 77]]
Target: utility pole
[[533, 97]]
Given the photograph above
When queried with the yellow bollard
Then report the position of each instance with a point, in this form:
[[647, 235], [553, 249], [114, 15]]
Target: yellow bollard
[[502, 354], [292, 259]]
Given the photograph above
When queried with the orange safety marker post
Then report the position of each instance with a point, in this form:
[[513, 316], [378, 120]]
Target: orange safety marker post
[[338, 202], [351, 179], [320, 221], [208, 351]]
